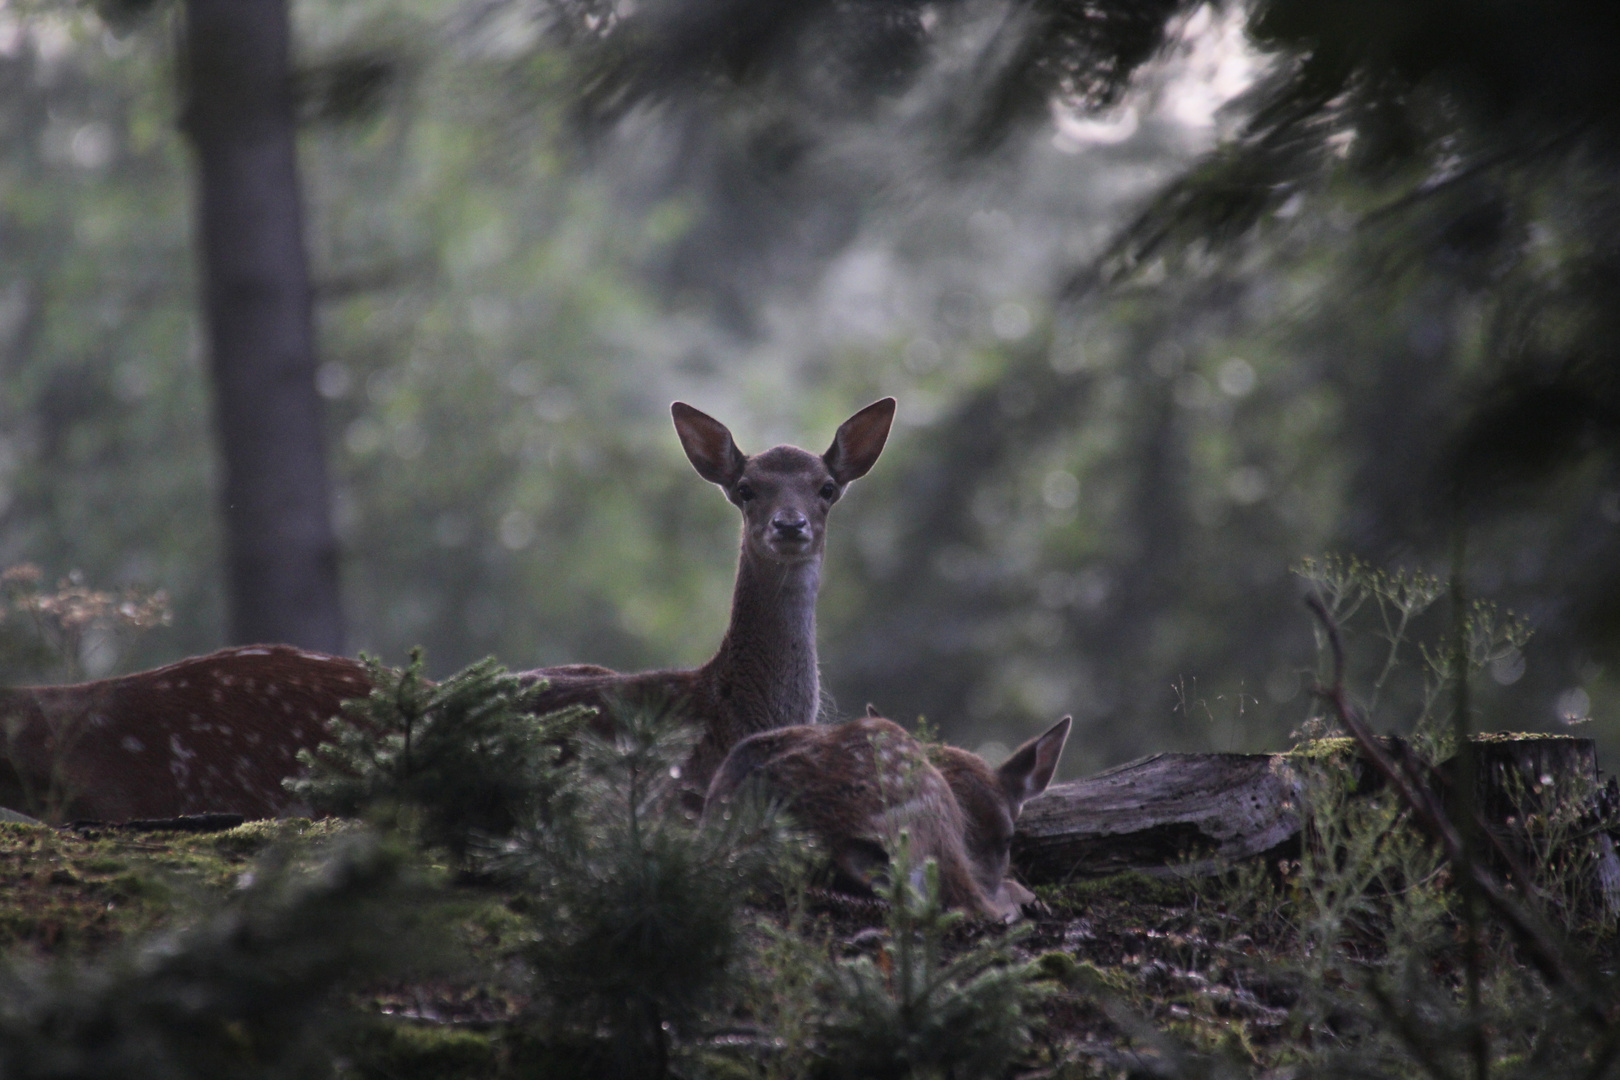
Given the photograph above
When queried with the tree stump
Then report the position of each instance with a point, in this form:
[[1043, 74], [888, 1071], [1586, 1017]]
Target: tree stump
[[1519, 774]]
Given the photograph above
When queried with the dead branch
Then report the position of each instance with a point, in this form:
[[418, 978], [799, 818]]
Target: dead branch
[[1548, 953]]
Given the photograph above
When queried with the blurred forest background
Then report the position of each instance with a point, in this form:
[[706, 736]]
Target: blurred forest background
[[1164, 315]]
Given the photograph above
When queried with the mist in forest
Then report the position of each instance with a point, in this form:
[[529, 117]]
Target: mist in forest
[[1116, 443]]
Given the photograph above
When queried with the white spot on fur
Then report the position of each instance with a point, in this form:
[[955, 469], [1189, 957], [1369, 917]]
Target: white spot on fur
[[132, 744]]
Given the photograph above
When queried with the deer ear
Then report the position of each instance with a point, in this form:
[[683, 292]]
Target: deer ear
[[1030, 769], [859, 441], [872, 711], [708, 445]]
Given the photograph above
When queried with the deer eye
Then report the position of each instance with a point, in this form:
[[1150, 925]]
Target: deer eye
[[744, 493], [829, 490]]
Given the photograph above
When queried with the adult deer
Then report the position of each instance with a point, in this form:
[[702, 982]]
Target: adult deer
[[220, 732], [856, 785], [764, 674]]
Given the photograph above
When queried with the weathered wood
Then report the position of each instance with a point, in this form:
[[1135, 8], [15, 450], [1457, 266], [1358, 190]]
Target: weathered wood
[[1520, 775], [1165, 814], [1180, 814]]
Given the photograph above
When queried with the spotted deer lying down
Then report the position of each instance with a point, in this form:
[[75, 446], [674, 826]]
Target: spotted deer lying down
[[856, 785], [222, 731]]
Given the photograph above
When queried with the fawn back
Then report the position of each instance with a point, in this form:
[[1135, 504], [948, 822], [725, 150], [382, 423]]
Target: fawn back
[[855, 785]]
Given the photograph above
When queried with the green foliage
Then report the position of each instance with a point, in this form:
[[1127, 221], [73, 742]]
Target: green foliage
[[1382, 956], [917, 1011], [635, 914], [1396, 966], [249, 990], [1365, 875], [384, 1051], [467, 756], [1394, 602]]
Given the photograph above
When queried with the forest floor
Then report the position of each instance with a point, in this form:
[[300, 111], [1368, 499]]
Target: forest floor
[[1140, 970]]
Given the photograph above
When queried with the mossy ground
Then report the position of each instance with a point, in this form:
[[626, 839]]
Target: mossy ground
[[1213, 964], [69, 893]]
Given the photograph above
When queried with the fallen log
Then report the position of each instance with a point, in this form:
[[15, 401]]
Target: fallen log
[[1196, 814], [1164, 814]]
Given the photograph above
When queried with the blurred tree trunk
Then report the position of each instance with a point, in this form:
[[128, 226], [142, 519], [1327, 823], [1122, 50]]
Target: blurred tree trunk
[[281, 551]]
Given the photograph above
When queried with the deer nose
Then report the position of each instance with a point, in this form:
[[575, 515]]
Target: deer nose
[[790, 525]]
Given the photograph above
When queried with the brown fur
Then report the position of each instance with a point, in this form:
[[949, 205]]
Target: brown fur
[[856, 785], [219, 732], [214, 732], [764, 674]]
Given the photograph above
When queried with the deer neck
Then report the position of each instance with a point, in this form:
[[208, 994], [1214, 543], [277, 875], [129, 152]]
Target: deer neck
[[765, 675]]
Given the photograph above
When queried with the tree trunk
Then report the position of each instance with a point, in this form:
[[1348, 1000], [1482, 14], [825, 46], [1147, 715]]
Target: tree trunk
[[281, 552]]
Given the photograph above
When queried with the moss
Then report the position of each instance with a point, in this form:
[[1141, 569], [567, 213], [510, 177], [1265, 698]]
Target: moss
[[1060, 967], [721, 1066], [1337, 748], [101, 864], [1086, 975], [62, 890], [139, 885], [1344, 746], [1520, 736], [404, 1051], [255, 836], [1131, 887]]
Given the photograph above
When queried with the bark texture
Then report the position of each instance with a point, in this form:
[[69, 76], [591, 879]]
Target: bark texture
[[282, 566], [1167, 813]]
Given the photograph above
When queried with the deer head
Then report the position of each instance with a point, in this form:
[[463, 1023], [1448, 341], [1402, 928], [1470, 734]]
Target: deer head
[[991, 800], [784, 493]]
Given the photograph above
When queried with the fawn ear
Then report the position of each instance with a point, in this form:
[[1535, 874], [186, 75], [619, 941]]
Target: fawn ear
[[1030, 769], [859, 441], [872, 711], [708, 445]]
